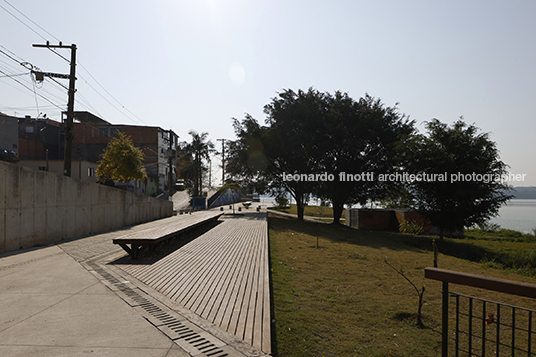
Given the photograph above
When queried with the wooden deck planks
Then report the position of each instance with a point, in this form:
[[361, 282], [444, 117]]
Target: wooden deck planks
[[223, 276], [169, 226]]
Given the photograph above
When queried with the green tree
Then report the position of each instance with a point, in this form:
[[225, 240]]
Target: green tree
[[121, 161], [356, 142], [457, 151], [246, 160], [192, 155], [293, 119], [263, 156], [314, 133]]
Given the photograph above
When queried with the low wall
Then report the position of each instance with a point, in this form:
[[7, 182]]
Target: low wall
[[372, 219], [226, 198], [389, 220], [38, 207]]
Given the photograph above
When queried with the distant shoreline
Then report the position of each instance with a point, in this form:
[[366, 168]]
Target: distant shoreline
[[524, 193]]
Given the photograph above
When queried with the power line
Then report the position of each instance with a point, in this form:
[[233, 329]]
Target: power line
[[54, 85], [20, 12], [13, 75], [10, 56], [106, 99], [122, 109], [117, 101], [30, 86], [35, 96], [26, 108], [22, 84], [59, 55], [33, 22], [22, 22]]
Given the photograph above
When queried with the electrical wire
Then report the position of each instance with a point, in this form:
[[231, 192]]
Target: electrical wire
[[22, 22], [14, 75], [108, 101], [35, 96], [122, 109], [26, 108], [53, 50], [12, 56], [22, 84], [32, 21], [100, 85], [58, 83]]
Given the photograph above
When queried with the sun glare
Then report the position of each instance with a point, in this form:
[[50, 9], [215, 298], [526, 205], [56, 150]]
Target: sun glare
[[237, 73]]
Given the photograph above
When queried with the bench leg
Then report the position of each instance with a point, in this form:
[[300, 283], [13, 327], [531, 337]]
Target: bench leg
[[127, 249], [134, 250]]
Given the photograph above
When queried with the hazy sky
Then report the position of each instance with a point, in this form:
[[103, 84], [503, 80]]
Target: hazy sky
[[196, 64]]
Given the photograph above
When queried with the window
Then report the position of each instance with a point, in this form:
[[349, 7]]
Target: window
[[114, 131], [29, 129], [103, 131], [90, 172], [42, 168]]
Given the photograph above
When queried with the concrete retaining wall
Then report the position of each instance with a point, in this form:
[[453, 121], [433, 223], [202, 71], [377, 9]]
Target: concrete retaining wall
[[390, 220], [226, 198], [38, 207], [371, 219]]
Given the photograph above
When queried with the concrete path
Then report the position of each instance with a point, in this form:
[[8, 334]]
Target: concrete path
[[65, 300], [51, 306]]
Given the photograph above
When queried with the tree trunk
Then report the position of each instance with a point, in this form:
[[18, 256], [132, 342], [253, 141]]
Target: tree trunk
[[419, 309], [196, 176], [337, 213], [300, 208], [300, 204]]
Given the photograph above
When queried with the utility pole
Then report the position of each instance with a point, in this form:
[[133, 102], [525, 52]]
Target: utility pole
[[222, 160], [210, 167], [70, 104], [171, 154]]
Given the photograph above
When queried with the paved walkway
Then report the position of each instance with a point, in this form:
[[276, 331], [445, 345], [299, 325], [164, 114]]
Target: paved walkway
[[51, 306], [222, 276], [77, 298]]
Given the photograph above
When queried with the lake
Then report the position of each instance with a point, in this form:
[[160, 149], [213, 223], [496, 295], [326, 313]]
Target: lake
[[519, 215]]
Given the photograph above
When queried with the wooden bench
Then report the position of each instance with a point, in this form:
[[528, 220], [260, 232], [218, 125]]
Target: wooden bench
[[141, 240]]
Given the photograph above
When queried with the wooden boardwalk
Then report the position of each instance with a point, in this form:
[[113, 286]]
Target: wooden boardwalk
[[222, 276]]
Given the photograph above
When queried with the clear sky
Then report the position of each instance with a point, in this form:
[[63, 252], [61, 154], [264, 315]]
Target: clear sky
[[194, 65]]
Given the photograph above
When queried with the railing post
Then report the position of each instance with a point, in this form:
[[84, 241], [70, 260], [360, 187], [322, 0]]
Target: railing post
[[488, 283], [445, 320]]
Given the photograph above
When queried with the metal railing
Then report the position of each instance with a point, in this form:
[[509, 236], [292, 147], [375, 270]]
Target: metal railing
[[483, 326]]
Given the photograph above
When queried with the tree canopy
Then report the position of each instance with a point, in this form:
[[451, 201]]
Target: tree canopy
[[471, 189], [121, 161], [356, 142], [319, 134], [192, 154], [338, 149]]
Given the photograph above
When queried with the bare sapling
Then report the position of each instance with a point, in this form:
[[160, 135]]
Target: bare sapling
[[420, 293]]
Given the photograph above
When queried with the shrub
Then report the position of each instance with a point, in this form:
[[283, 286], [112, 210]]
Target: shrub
[[282, 202], [489, 227], [410, 227]]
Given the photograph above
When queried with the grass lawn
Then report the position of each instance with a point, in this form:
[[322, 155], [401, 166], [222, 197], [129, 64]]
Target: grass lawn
[[341, 299]]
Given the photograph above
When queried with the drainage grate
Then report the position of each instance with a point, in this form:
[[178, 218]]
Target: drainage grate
[[30, 261], [185, 334]]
